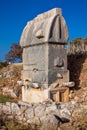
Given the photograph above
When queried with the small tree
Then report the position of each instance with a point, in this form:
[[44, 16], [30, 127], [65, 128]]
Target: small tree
[[15, 53]]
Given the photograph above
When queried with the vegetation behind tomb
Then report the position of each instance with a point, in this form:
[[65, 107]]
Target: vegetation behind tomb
[[14, 54], [77, 46]]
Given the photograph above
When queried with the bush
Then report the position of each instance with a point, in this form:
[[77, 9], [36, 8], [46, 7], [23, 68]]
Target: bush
[[15, 53], [4, 99], [3, 64]]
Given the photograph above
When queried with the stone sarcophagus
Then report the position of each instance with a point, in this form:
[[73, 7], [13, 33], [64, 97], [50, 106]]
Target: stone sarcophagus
[[44, 55]]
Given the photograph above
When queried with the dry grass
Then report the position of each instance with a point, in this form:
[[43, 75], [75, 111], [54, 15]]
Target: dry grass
[[11, 82], [77, 123]]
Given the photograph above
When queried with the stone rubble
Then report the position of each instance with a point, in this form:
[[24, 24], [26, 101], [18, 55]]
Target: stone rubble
[[42, 112]]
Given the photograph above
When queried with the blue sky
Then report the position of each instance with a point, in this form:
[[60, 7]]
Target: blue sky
[[14, 14]]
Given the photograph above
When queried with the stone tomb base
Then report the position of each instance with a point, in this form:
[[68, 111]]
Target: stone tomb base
[[33, 95]]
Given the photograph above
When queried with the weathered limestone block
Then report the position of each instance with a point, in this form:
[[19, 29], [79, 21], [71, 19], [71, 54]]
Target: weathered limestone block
[[43, 29], [36, 77], [34, 95], [57, 57], [35, 57], [43, 41]]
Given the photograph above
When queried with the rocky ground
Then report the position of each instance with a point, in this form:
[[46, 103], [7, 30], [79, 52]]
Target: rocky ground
[[48, 115], [8, 80], [64, 116]]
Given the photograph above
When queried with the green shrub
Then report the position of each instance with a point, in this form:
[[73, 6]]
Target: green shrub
[[4, 99]]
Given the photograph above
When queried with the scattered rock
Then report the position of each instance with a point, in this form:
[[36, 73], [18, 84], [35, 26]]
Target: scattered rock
[[1, 76], [29, 113], [65, 112], [6, 109], [40, 110], [20, 82], [51, 108], [35, 85], [68, 84], [8, 91], [24, 104], [15, 108], [59, 76]]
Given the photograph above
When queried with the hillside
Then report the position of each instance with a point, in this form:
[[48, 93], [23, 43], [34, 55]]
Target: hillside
[[8, 80], [77, 65]]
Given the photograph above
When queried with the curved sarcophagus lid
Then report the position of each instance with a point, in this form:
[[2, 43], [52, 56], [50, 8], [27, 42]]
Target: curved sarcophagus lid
[[47, 27]]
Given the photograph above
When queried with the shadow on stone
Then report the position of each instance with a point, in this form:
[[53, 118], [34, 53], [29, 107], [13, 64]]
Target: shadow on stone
[[62, 120]]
